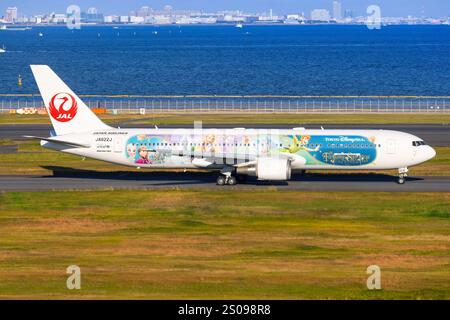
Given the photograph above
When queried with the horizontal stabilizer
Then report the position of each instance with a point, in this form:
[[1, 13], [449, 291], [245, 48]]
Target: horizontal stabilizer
[[55, 140]]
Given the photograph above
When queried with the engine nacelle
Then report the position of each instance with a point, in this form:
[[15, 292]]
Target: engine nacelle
[[273, 169]]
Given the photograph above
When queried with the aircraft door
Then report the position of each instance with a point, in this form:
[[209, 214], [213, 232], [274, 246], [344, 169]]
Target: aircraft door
[[118, 145], [391, 146]]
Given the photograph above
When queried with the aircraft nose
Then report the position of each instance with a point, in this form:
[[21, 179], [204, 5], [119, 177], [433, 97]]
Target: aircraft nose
[[430, 153]]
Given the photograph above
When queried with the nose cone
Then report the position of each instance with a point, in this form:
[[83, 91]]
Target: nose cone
[[430, 153], [423, 154]]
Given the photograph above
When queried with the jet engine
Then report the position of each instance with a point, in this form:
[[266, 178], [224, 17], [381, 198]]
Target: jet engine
[[270, 169], [273, 169]]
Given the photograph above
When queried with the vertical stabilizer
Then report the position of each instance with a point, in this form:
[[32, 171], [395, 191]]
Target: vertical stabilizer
[[66, 110]]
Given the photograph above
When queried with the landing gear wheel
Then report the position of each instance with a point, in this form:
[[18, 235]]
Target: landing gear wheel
[[232, 181], [221, 181], [402, 174]]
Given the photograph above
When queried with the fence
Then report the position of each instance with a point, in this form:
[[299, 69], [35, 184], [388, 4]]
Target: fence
[[244, 104]]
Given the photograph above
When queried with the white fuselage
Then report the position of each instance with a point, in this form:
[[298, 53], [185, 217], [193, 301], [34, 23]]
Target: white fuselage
[[217, 148]]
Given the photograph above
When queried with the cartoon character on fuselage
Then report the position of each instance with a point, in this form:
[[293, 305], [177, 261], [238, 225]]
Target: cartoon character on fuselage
[[131, 151], [301, 144], [143, 156]]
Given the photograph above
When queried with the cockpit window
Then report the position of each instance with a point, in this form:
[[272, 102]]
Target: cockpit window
[[419, 143]]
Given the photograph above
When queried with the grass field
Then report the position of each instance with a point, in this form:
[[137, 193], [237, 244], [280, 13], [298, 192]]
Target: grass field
[[245, 118], [33, 159], [209, 245]]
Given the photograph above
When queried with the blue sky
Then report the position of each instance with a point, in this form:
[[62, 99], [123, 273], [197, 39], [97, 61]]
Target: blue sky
[[437, 8]]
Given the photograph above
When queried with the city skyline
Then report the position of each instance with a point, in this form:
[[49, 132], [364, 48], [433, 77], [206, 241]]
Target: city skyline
[[396, 8]]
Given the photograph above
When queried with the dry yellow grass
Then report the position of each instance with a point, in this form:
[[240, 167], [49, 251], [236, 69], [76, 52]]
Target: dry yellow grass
[[200, 244]]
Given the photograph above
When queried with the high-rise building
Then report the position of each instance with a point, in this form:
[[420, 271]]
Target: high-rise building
[[337, 10], [92, 16], [348, 14], [124, 19], [144, 12], [11, 14], [92, 10], [320, 15]]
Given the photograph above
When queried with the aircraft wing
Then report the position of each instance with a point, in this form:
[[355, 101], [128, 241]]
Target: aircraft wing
[[252, 161], [243, 160]]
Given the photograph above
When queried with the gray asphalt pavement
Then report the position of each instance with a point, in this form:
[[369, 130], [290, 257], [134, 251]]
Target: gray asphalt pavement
[[434, 134], [148, 181]]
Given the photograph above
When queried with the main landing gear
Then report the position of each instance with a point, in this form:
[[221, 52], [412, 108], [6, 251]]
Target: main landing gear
[[402, 174], [227, 178]]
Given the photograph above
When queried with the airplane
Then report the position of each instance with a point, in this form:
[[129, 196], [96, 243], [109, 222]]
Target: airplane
[[267, 154]]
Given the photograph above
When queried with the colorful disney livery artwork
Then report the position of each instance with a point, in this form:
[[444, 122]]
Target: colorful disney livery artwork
[[332, 150], [154, 150], [318, 150]]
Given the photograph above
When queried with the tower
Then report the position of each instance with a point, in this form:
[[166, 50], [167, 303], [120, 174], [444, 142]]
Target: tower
[[337, 10]]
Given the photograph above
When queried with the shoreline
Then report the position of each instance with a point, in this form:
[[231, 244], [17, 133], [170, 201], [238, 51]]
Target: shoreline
[[212, 24]]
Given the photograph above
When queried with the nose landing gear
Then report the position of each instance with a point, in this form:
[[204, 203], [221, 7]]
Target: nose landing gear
[[402, 174]]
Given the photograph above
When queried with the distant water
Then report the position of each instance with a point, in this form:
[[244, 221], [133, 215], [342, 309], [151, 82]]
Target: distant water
[[278, 60]]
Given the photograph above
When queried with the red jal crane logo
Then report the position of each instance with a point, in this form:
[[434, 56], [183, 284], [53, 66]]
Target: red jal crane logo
[[63, 107]]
